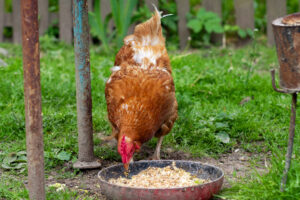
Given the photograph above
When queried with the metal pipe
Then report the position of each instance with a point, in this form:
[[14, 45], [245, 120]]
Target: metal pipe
[[290, 143], [289, 152], [86, 158], [32, 93], [285, 90]]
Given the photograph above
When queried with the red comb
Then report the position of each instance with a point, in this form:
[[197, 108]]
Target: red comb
[[123, 145], [137, 146]]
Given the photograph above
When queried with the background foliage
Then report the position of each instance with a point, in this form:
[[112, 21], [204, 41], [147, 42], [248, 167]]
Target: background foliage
[[113, 38]]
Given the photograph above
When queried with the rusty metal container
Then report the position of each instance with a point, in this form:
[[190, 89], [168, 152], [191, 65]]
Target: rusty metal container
[[287, 38]]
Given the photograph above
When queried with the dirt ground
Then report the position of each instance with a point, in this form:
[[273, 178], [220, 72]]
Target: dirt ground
[[235, 165]]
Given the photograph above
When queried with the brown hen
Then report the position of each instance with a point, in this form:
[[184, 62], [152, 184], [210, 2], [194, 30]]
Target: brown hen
[[140, 92]]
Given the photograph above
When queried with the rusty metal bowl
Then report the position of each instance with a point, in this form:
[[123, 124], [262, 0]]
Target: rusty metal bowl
[[201, 191]]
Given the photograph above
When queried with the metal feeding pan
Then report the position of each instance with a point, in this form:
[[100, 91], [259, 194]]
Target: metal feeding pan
[[202, 191], [287, 38]]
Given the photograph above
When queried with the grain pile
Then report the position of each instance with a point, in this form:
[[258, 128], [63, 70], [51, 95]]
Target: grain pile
[[155, 177]]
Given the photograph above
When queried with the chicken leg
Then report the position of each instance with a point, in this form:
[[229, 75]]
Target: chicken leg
[[156, 155], [163, 131], [112, 136]]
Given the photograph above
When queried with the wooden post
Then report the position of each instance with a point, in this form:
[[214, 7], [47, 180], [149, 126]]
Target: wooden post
[[216, 7], [8, 19], [244, 16], [17, 32], [183, 7], [2, 10], [149, 4], [105, 10], [275, 9], [65, 21], [44, 16], [244, 13], [90, 5], [213, 6]]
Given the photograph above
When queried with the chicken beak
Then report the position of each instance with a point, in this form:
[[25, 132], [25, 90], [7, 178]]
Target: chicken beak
[[126, 166]]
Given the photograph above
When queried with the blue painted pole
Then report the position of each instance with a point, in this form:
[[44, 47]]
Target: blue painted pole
[[86, 158]]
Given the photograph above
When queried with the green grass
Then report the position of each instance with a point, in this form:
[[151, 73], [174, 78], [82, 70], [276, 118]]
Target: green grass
[[13, 189], [210, 84], [257, 186]]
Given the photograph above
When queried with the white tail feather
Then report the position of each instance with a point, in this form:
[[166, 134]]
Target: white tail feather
[[166, 15], [155, 8]]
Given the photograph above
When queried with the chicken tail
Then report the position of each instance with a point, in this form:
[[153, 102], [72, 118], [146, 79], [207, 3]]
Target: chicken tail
[[160, 12], [148, 33]]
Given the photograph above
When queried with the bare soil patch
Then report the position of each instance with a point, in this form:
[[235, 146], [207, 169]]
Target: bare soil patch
[[235, 165]]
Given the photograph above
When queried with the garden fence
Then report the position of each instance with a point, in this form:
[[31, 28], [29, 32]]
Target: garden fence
[[244, 14]]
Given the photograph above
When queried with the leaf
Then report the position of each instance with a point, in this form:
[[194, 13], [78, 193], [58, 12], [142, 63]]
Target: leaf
[[218, 29], [221, 126], [97, 25], [250, 32], [19, 166], [200, 13], [46, 154], [170, 23], [22, 170], [213, 26], [224, 117], [208, 27], [12, 157], [242, 33], [6, 166], [230, 28], [22, 159], [211, 16], [195, 25], [63, 156], [15, 160], [223, 137], [21, 153], [122, 13]]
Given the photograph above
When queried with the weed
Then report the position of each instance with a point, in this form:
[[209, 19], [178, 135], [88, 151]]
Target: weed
[[206, 23], [122, 12]]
